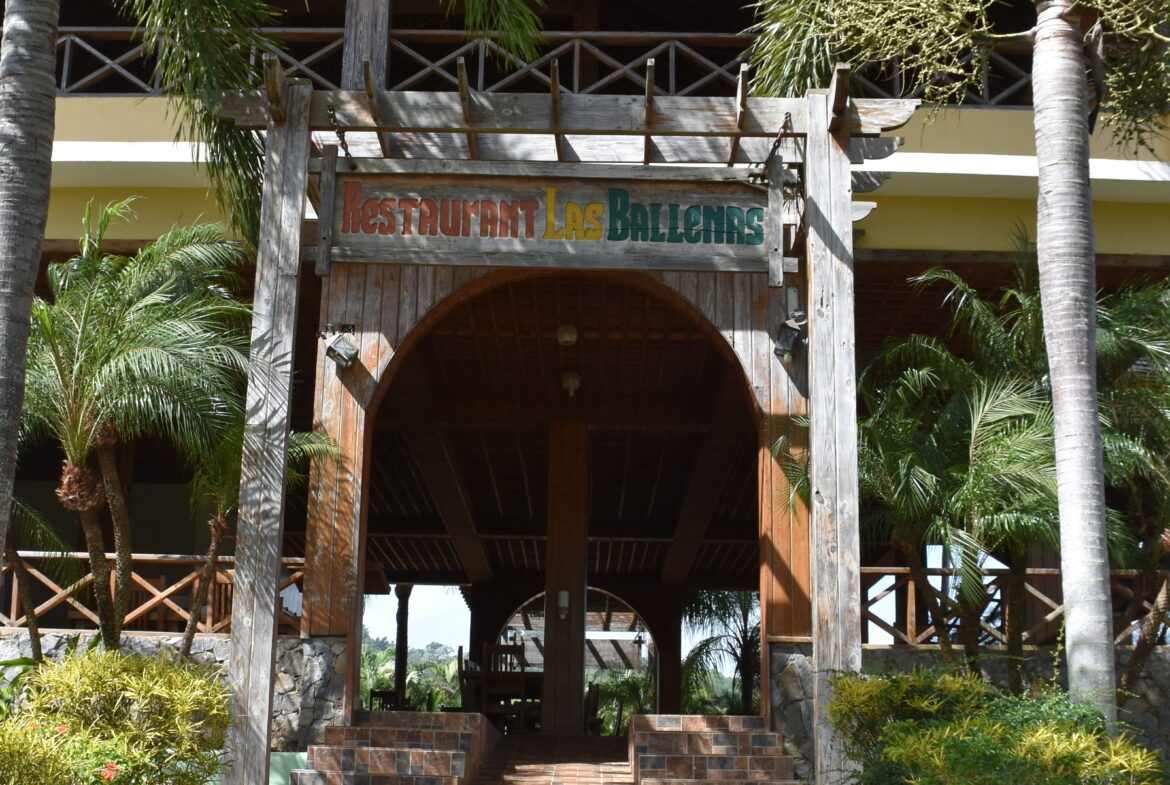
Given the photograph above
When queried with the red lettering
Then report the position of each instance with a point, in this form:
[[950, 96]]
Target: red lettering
[[428, 217], [408, 206], [529, 207], [369, 214], [469, 209], [450, 216], [488, 219], [351, 207], [386, 209], [509, 219]]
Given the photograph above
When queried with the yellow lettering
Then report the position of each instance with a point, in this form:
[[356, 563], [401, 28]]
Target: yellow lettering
[[593, 213], [551, 230], [574, 221]]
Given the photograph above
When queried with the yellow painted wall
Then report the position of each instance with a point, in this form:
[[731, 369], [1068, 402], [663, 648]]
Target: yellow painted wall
[[113, 119], [930, 223], [158, 211]]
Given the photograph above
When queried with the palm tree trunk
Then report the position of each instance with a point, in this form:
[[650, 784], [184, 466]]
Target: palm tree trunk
[[28, 56], [218, 526], [1013, 619], [1148, 638], [123, 554], [1066, 252], [23, 581], [933, 605], [100, 570]]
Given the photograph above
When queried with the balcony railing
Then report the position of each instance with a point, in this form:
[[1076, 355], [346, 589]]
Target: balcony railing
[[893, 605], [161, 594], [112, 61]]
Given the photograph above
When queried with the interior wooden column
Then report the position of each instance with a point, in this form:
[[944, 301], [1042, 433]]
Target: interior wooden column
[[402, 641], [565, 564]]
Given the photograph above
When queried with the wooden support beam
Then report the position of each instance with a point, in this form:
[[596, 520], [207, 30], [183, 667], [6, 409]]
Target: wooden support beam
[[367, 37], [648, 119], [567, 550], [741, 95], [608, 115], [373, 88], [778, 264], [711, 468], [839, 96], [325, 187], [554, 86], [274, 88], [836, 577], [465, 104], [262, 487]]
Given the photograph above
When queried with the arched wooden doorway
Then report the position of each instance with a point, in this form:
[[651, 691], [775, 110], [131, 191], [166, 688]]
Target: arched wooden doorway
[[467, 461]]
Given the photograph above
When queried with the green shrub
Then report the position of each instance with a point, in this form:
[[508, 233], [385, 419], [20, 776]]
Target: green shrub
[[931, 727], [104, 717]]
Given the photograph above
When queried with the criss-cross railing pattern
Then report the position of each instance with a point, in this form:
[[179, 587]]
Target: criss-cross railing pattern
[[161, 592], [112, 61], [893, 603]]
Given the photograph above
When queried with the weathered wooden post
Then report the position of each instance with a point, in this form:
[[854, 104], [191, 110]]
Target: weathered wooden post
[[262, 494], [833, 409]]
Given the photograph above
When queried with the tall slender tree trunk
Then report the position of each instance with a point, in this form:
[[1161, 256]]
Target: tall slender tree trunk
[[100, 570], [123, 555], [1065, 247], [28, 95], [218, 527], [24, 593]]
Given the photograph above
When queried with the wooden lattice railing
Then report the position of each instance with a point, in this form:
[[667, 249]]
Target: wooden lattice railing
[[893, 602], [162, 588], [111, 60]]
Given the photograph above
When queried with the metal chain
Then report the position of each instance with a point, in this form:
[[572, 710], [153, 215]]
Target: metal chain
[[341, 137], [762, 175]]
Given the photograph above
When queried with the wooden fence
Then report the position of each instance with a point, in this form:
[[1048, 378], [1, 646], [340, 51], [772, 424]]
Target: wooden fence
[[161, 595], [894, 603], [112, 61]]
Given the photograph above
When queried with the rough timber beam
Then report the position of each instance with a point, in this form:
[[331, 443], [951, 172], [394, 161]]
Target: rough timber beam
[[741, 94], [554, 86], [610, 115], [647, 142]]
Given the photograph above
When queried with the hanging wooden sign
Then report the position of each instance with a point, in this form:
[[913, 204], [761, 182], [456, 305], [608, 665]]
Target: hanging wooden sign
[[526, 222]]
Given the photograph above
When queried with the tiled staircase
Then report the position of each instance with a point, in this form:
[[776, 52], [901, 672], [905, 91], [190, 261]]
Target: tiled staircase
[[669, 749], [400, 748]]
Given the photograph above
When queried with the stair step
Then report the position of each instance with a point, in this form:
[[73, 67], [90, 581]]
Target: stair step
[[715, 767], [708, 742], [401, 738], [722, 782], [308, 777], [387, 760], [688, 722], [422, 720]]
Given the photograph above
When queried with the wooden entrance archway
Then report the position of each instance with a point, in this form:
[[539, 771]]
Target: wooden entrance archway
[[761, 271]]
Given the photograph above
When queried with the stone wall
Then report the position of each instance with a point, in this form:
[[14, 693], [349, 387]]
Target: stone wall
[[1147, 710], [310, 674]]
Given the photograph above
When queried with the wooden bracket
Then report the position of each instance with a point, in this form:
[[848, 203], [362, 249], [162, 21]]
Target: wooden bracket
[[741, 95], [465, 103], [274, 87], [648, 146], [554, 86], [839, 95], [325, 188]]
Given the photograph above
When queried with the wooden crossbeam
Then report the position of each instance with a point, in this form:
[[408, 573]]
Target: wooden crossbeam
[[839, 95], [741, 94], [274, 88], [609, 115], [372, 85], [465, 104], [648, 117], [554, 86]]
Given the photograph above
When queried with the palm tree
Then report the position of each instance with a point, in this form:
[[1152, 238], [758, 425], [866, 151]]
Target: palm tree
[[27, 112], [943, 47], [731, 620], [215, 485], [126, 347]]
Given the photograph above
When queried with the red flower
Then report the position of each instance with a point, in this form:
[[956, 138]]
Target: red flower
[[110, 772], [62, 729]]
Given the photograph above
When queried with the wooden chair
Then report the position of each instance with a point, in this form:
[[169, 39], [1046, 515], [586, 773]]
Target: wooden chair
[[502, 685]]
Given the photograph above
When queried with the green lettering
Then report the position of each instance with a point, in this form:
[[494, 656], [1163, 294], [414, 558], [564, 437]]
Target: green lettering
[[712, 224], [619, 207], [656, 235], [734, 233], [692, 222], [674, 235], [755, 225], [639, 223]]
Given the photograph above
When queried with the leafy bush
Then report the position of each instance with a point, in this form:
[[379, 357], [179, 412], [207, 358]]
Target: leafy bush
[[934, 727], [99, 717]]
